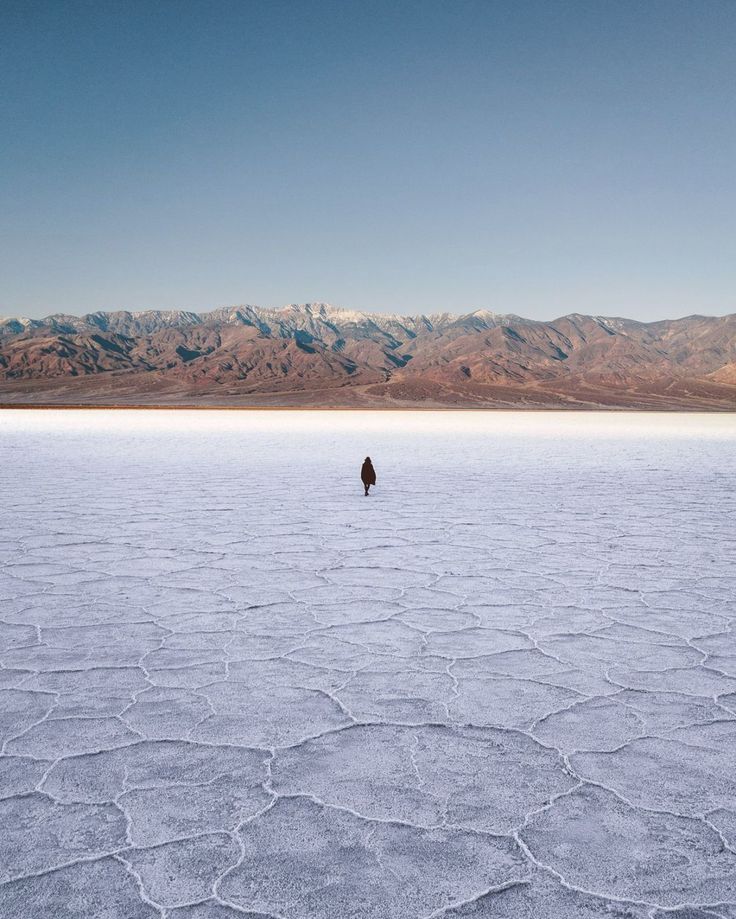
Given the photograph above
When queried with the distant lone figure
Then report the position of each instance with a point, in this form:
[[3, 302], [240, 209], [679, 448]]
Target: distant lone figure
[[367, 474]]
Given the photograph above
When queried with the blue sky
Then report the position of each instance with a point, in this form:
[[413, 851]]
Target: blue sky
[[535, 158]]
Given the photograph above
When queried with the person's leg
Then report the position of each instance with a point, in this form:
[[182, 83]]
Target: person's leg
[[366, 490]]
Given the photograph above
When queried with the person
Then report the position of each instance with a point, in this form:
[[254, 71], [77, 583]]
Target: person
[[368, 474]]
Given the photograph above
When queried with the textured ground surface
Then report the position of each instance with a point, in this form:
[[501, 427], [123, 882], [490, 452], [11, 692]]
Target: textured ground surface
[[502, 686]]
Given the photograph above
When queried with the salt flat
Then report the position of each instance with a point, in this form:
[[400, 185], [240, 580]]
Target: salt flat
[[504, 685]]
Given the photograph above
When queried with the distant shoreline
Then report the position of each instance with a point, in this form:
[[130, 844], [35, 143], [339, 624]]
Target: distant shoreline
[[18, 406]]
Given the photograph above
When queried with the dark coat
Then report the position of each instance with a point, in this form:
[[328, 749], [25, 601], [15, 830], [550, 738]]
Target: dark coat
[[368, 473]]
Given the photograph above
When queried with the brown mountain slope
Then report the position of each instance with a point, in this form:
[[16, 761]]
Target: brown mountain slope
[[319, 355]]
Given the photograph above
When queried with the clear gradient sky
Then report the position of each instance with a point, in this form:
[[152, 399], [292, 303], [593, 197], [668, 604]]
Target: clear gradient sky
[[530, 157]]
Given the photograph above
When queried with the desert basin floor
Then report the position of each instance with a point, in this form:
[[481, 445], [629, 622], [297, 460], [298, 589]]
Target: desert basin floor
[[503, 685]]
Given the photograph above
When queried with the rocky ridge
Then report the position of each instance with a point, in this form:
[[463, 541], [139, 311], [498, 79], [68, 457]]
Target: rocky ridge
[[318, 355]]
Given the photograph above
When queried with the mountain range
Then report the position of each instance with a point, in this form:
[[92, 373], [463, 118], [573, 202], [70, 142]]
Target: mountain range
[[317, 355]]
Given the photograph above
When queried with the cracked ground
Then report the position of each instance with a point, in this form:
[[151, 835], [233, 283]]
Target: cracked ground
[[504, 685]]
